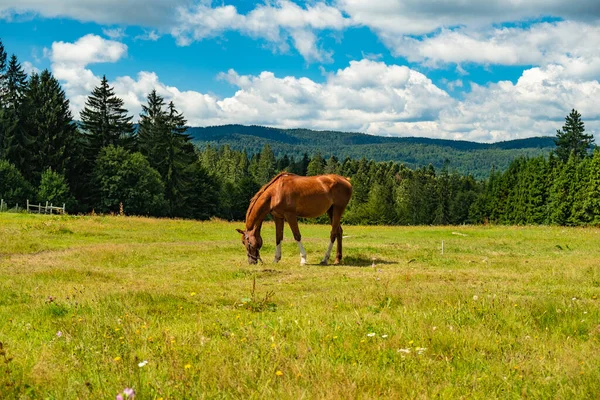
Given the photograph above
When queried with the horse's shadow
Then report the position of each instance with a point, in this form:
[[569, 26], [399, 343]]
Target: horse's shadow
[[361, 261]]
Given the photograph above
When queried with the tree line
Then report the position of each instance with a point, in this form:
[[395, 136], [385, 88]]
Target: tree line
[[105, 163]]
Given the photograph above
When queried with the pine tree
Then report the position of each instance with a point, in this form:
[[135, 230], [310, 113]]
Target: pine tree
[[15, 141], [333, 166], [316, 166], [580, 187], [152, 125], [592, 198], [49, 123], [163, 140], [537, 186], [561, 193], [283, 163], [442, 211], [104, 121], [3, 85], [203, 200], [572, 138], [265, 169]]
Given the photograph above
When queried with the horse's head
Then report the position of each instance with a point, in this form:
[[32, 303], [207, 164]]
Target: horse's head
[[252, 243]]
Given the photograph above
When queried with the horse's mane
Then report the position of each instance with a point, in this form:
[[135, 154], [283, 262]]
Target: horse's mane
[[262, 190]]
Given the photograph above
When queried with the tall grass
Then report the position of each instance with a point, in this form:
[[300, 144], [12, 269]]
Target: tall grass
[[505, 312]]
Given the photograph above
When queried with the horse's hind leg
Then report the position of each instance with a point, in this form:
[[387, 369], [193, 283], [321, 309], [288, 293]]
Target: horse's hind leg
[[293, 222], [336, 226], [278, 238], [332, 237]]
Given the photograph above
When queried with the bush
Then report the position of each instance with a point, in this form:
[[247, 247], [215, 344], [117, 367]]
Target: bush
[[13, 187], [54, 189], [128, 178]]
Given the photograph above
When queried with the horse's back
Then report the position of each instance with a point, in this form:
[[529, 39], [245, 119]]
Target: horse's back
[[333, 186]]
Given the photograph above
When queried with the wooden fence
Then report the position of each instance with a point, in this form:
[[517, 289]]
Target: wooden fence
[[35, 208]]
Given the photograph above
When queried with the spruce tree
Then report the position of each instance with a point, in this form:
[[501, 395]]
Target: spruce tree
[[332, 166], [561, 192], [48, 121], [104, 121], [572, 138], [15, 141], [2, 96], [152, 127], [316, 166], [163, 140], [265, 168], [592, 195]]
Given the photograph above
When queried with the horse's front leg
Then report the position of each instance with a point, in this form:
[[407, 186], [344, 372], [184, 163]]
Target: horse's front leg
[[293, 222], [278, 238]]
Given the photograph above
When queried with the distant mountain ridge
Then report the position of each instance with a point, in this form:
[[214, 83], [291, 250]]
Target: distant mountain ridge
[[462, 156]]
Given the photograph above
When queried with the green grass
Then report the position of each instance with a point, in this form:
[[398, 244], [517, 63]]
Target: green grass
[[505, 312]]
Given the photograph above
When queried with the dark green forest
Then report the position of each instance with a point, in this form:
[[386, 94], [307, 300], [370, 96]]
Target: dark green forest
[[464, 157], [101, 162]]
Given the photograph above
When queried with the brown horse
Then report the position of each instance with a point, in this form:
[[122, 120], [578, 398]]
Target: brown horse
[[289, 196]]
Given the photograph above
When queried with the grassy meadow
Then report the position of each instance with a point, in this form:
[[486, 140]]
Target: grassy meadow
[[92, 305]]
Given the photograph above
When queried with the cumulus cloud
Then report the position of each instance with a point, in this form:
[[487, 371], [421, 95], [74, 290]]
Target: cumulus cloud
[[114, 33], [414, 17], [567, 43], [279, 22], [69, 63], [154, 13], [282, 23], [29, 68], [367, 96]]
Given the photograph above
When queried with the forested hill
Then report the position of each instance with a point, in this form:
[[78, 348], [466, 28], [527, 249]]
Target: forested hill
[[463, 156]]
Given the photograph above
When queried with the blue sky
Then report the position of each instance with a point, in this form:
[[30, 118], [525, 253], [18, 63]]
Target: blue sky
[[461, 69]]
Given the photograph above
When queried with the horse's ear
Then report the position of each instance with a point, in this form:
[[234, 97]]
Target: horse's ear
[[240, 231]]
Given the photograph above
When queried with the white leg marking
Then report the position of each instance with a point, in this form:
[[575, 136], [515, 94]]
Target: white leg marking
[[302, 253], [277, 253], [327, 253]]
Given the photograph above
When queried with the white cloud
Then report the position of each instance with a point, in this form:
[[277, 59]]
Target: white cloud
[[114, 33], [152, 36], [414, 17], [29, 68], [567, 43], [152, 13], [89, 49], [366, 96], [279, 22], [535, 105], [69, 62]]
